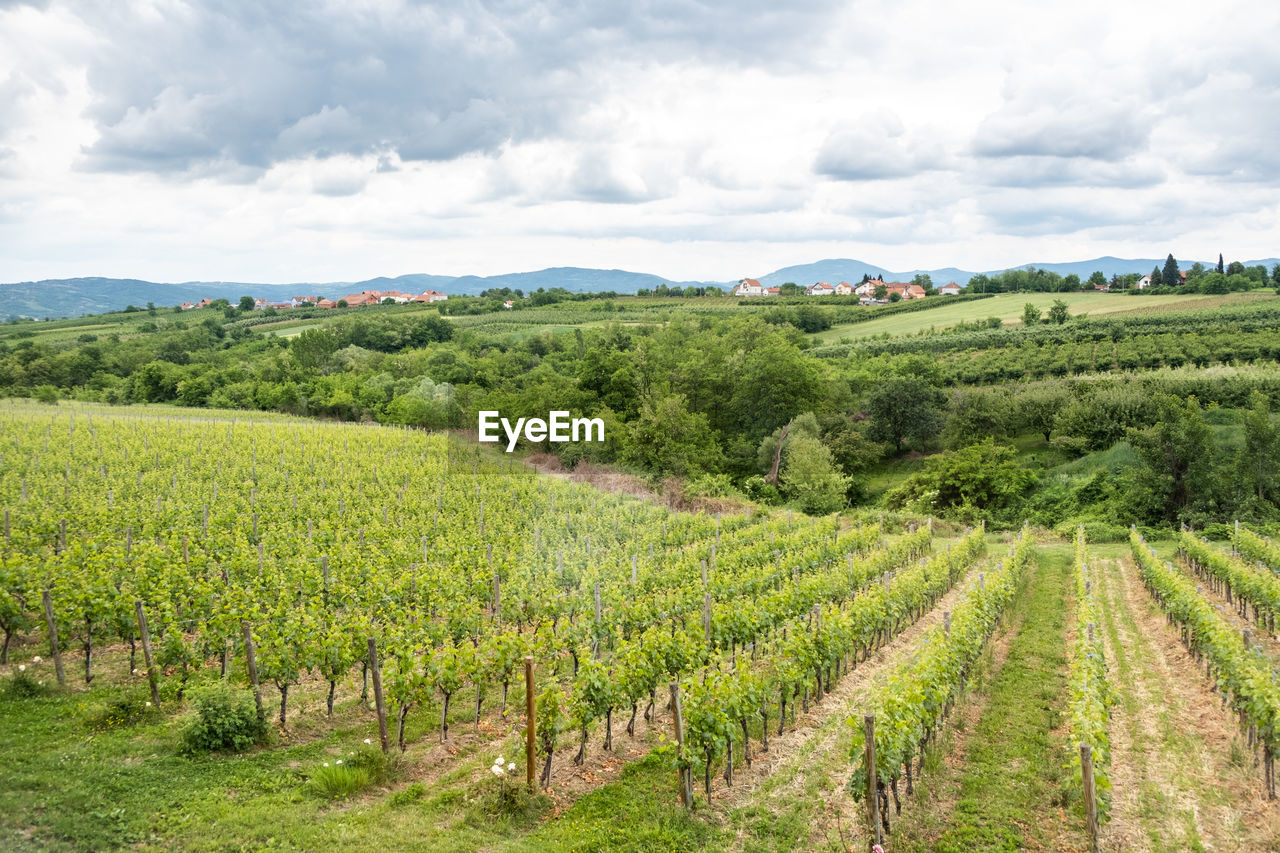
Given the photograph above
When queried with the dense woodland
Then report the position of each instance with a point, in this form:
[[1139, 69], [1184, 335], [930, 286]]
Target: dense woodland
[[1152, 419]]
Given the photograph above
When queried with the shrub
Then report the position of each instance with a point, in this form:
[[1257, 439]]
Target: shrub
[[1218, 532], [1094, 531], [980, 481], [757, 488], [226, 718]]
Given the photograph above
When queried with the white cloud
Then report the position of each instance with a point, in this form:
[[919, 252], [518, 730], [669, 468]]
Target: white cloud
[[699, 140]]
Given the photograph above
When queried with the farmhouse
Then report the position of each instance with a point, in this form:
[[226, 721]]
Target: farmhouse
[[748, 287], [949, 289], [820, 288]]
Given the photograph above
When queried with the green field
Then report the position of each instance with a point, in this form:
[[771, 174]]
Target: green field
[[1008, 307]]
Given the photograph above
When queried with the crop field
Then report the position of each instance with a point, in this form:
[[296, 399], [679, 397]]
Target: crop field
[[380, 574], [1009, 306]]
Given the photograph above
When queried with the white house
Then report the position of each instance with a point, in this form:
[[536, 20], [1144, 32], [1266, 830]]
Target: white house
[[949, 289], [844, 288], [748, 287], [820, 288]]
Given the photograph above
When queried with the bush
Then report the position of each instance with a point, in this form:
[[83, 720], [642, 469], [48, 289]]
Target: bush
[[1094, 531], [981, 481], [226, 718], [712, 486], [1218, 532]]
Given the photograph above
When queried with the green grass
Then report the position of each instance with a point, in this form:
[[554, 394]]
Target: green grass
[[638, 812], [1008, 307], [1011, 777], [79, 777]]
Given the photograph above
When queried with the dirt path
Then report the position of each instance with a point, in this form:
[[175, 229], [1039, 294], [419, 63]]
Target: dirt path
[[1181, 775], [796, 791], [999, 765]]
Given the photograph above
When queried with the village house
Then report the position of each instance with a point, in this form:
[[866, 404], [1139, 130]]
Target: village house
[[819, 288], [431, 296], [748, 287], [187, 306], [326, 303], [949, 289], [904, 289], [772, 291], [844, 288]]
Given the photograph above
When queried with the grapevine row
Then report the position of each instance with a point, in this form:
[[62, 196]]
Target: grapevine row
[[1090, 693], [1243, 584], [1241, 673], [1255, 548], [911, 703]]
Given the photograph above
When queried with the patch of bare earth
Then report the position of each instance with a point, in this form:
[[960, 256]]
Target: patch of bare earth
[[1172, 775], [818, 745], [609, 479]]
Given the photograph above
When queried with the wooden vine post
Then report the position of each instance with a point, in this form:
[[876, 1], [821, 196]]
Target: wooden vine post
[[252, 660], [1090, 795], [145, 634], [53, 638], [686, 774], [873, 795], [531, 726], [376, 671]]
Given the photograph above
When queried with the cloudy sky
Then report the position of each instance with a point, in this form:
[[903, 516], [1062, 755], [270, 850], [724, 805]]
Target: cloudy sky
[[314, 141]]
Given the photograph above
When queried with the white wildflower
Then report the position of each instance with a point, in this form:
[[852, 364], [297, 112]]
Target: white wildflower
[[339, 760], [511, 768], [499, 760], [326, 764], [22, 667], [36, 659], [497, 770], [366, 740], [148, 703]]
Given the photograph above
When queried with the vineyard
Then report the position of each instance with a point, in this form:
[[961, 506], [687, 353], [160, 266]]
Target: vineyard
[[361, 583]]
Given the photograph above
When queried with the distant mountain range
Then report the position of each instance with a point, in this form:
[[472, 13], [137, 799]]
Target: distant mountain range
[[72, 297]]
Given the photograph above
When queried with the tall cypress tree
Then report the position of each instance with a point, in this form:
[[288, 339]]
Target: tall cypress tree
[[1156, 278], [1171, 278], [1220, 269]]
